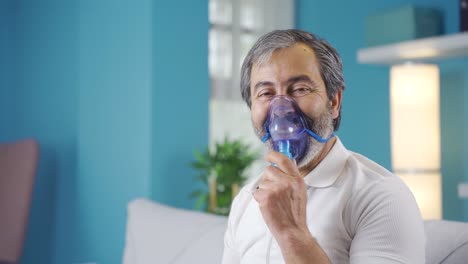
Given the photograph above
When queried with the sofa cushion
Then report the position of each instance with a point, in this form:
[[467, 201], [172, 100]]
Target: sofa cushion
[[446, 242], [161, 234]]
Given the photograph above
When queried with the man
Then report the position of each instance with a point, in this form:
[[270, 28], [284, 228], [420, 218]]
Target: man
[[331, 205]]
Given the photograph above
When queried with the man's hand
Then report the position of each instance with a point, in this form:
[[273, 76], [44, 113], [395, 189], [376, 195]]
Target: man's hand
[[282, 196]]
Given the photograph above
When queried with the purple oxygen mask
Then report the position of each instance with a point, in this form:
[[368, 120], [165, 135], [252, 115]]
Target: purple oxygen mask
[[286, 126]]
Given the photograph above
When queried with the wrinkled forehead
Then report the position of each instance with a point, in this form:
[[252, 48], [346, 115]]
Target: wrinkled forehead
[[297, 59], [268, 52]]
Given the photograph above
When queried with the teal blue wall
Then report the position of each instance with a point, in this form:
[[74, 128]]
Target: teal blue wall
[[365, 126], [454, 85], [6, 68], [45, 107], [180, 97], [97, 83], [114, 135]]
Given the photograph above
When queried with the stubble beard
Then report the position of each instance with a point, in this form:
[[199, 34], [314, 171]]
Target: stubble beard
[[323, 127]]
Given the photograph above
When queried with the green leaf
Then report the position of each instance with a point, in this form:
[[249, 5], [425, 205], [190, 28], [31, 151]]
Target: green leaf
[[202, 200], [228, 162], [195, 194]]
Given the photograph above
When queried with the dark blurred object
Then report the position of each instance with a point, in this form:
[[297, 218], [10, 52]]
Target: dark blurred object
[[18, 162], [463, 15]]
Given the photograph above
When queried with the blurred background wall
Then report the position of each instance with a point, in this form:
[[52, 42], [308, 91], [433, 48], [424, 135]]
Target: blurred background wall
[[117, 94], [107, 88], [366, 117]]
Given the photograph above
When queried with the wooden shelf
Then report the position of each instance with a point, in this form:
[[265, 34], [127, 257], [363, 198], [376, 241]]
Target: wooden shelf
[[427, 49]]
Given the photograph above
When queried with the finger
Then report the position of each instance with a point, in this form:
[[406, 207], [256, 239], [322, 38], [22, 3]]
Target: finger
[[268, 174], [259, 195], [266, 184], [277, 182], [264, 191], [283, 162], [273, 173]]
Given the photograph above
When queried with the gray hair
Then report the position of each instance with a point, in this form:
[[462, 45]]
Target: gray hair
[[330, 65]]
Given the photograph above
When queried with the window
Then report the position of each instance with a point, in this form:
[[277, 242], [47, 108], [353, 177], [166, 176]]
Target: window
[[235, 25]]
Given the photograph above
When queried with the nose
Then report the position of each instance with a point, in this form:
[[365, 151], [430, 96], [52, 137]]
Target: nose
[[282, 100], [282, 92]]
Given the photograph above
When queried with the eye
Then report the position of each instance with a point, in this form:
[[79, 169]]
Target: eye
[[300, 91], [265, 95]]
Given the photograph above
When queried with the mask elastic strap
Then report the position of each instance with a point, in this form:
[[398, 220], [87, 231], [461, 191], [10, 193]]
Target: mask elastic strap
[[318, 138]]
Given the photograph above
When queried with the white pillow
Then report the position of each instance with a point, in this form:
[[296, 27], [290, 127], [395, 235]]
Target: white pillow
[[162, 234], [446, 242]]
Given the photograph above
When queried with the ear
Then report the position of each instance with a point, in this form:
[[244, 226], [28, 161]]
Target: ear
[[336, 103]]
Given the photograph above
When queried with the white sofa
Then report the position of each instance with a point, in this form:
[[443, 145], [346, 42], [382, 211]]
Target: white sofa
[[160, 234]]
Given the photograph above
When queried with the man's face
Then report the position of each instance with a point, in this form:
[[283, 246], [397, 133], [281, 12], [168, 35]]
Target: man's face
[[294, 71]]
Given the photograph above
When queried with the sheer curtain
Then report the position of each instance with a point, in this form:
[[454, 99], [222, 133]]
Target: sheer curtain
[[235, 26]]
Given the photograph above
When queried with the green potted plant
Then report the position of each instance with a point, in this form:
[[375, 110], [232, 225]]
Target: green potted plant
[[222, 172]]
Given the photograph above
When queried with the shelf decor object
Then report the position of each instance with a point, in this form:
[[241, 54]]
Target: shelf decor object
[[415, 133], [428, 49], [463, 15], [402, 23]]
